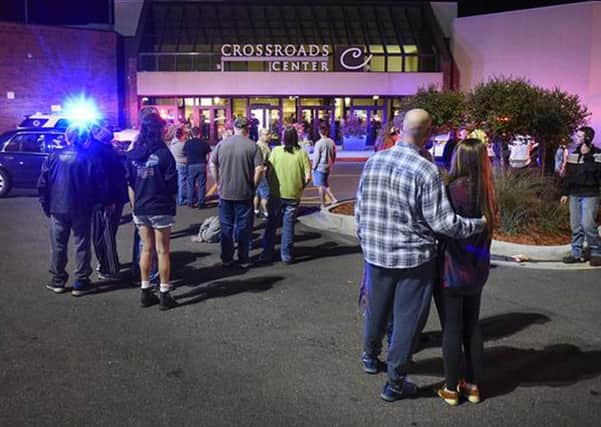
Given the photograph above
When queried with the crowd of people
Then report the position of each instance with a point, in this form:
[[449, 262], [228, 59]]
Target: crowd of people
[[84, 188], [423, 235]]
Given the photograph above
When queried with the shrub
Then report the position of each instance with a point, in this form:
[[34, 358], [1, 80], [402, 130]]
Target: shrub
[[514, 193], [526, 200]]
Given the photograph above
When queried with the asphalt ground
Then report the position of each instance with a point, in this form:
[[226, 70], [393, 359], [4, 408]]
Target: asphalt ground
[[273, 346]]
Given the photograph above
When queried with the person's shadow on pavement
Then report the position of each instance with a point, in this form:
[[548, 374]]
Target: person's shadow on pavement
[[493, 328], [507, 368], [224, 288]]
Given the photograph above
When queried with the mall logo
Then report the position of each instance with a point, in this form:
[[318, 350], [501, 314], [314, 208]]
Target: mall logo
[[350, 59], [302, 58]]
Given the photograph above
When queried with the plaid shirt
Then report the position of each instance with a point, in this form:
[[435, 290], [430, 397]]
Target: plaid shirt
[[401, 204]]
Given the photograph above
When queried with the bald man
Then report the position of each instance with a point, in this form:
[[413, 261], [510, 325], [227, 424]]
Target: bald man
[[401, 206]]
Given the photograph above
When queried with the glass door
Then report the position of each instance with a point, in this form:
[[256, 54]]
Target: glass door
[[314, 117], [265, 117]]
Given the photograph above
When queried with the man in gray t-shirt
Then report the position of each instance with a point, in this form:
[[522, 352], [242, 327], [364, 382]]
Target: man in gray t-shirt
[[324, 156], [237, 167]]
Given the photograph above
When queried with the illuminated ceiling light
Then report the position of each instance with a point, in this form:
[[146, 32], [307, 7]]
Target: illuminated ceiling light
[[216, 100], [81, 110], [347, 101], [375, 97]]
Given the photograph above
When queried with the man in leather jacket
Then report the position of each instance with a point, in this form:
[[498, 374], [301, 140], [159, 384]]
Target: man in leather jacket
[[69, 186]]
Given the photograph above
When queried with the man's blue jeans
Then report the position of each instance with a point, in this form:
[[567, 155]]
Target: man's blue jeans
[[197, 173], [406, 293], [583, 217], [236, 214], [182, 181], [284, 210], [60, 229]]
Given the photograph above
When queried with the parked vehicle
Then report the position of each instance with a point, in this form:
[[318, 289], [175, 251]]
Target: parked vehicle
[[22, 153]]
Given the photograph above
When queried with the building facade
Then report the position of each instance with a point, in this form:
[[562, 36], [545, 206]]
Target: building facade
[[345, 63]]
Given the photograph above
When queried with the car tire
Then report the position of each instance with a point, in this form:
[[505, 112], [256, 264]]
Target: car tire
[[5, 183]]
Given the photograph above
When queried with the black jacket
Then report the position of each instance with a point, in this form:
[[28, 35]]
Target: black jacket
[[71, 183], [583, 174], [152, 174], [114, 172]]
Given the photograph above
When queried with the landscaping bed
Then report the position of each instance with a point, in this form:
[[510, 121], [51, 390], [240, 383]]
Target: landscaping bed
[[532, 235]]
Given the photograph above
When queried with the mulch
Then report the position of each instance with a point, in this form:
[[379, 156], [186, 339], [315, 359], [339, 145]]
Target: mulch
[[533, 236]]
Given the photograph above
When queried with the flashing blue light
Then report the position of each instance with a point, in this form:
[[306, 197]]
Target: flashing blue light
[[81, 110]]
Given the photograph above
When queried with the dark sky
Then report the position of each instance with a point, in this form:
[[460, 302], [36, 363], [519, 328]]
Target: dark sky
[[468, 8], [79, 12], [57, 12]]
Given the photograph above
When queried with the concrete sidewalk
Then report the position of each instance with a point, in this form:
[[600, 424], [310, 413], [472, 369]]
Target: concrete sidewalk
[[503, 253]]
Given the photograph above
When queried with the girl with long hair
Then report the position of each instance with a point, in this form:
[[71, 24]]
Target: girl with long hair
[[152, 178], [465, 266], [289, 173]]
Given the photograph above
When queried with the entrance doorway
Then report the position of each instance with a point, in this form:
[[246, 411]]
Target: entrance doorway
[[312, 117], [211, 122], [371, 118], [264, 117]]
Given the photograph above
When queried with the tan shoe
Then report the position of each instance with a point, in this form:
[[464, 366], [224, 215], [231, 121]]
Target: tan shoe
[[449, 396], [469, 391]]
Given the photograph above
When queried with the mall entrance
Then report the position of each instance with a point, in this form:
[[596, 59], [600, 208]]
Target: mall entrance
[[357, 120]]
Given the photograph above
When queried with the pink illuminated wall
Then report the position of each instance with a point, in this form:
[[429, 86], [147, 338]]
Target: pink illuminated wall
[[551, 46], [265, 83]]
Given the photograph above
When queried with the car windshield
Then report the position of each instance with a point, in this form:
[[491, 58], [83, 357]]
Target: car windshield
[[5, 137]]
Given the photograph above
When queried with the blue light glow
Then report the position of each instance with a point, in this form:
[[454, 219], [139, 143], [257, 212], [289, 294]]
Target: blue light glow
[[81, 110]]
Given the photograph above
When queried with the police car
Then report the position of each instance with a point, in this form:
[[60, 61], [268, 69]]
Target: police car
[[22, 153]]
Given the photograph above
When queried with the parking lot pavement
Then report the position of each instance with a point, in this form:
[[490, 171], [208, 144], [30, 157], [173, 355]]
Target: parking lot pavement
[[272, 346]]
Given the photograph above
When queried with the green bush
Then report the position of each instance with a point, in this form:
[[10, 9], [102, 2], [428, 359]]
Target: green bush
[[514, 193], [526, 200]]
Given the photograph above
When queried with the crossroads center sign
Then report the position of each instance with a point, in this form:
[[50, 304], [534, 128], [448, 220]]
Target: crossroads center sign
[[302, 58]]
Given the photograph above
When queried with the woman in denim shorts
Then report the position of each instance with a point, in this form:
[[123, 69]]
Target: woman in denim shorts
[[152, 178]]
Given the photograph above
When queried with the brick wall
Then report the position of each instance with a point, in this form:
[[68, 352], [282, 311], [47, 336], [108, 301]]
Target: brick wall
[[43, 65]]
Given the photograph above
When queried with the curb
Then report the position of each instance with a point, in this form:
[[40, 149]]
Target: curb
[[540, 257]]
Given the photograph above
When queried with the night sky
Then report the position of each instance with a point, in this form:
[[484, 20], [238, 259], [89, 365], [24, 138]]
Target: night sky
[[81, 12]]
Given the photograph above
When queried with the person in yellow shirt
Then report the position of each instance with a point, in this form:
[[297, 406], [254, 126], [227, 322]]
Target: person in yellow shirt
[[289, 173]]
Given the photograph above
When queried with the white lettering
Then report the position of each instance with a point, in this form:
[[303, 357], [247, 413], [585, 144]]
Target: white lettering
[[236, 49], [278, 49], [305, 65], [295, 66], [313, 50], [290, 50], [285, 66], [313, 66], [248, 50], [355, 53], [325, 50], [259, 50], [324, 66], [301, 51], [226, 50], [268, 50], [275, 66]]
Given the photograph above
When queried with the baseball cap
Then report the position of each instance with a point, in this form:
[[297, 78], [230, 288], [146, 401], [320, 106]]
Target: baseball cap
[[240, 123]]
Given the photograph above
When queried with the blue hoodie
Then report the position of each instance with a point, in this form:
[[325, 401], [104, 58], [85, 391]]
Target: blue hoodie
[[152, 174]]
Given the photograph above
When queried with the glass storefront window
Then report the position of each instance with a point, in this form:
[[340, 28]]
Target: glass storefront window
[[412, 59], [239, 107], [289, 110], [314, 102], [363, 101], [377, 63], [262, 100], [395, 63]]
